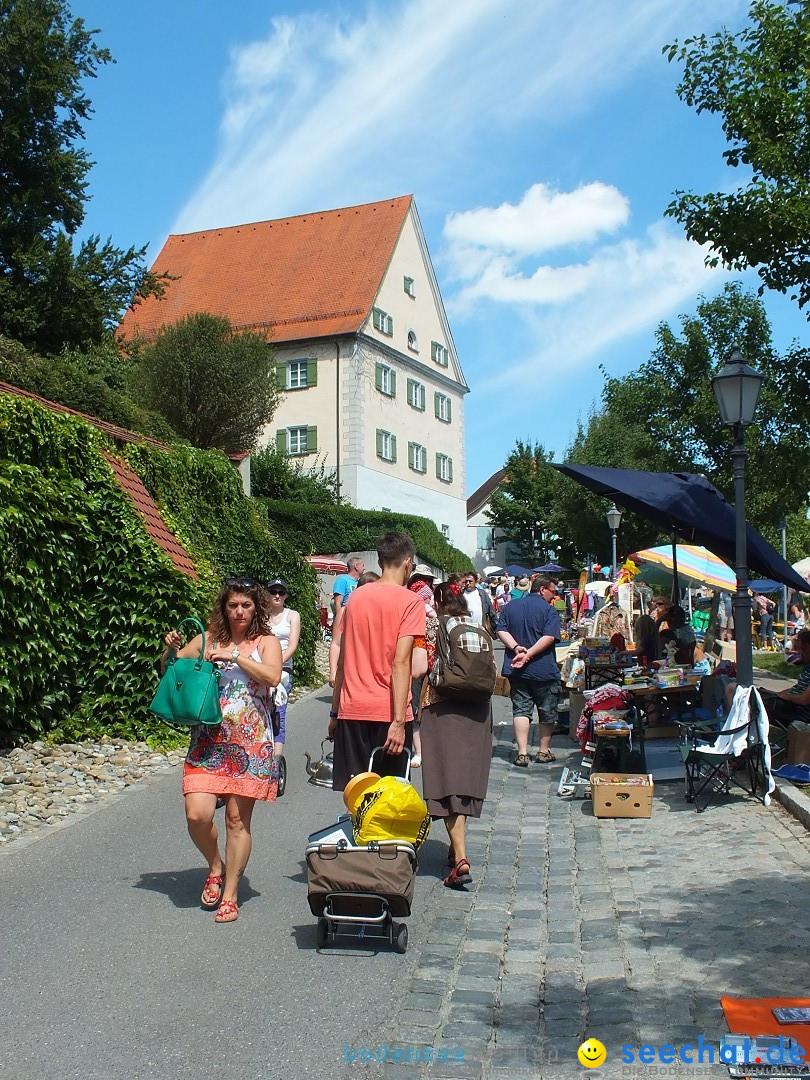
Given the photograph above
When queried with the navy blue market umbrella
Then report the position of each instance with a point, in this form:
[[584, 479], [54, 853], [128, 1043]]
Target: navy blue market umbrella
[[517, 571], [764, 585], [549, 568], [688, 505]]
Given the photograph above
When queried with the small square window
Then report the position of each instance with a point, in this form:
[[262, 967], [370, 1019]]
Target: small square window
[[439, 353], [296, 440], [386, 446], [443, 407], [383, 322], [408, 285], [446, 532], [416, 394], [297, 375]]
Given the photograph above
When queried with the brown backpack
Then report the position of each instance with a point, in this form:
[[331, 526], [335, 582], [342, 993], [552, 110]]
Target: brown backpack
[[464, 668]]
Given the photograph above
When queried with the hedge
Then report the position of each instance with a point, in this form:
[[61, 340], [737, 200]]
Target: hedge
[[86, 595], [329, 529]]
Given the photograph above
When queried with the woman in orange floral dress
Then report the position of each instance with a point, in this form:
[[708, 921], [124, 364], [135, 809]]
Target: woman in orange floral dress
[[235, 760]]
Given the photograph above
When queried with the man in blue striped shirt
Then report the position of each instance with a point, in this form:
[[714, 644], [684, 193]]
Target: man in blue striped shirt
[[794, 703]]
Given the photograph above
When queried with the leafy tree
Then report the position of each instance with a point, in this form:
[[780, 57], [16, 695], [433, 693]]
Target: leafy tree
[[215, 386], [757, 81], [51, 295], [522, 507], [663, 417], [278, 476]]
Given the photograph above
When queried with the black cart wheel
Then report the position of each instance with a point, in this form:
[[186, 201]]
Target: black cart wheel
[[401, 943], [323, 932], [282, 775]]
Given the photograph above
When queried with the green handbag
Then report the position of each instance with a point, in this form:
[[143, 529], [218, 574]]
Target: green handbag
[[188, 692]]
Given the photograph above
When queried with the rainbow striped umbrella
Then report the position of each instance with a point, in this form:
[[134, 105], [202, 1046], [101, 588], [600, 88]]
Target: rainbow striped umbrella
[[695, 564]]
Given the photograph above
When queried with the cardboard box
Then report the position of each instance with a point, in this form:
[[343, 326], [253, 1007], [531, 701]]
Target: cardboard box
[[502, 687], [798, 747], [614, 797]]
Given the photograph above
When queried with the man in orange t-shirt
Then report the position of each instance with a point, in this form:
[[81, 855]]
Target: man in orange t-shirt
[[371, 703]]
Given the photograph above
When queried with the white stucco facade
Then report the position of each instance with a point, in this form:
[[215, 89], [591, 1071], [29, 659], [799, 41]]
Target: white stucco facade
[[386, 409]]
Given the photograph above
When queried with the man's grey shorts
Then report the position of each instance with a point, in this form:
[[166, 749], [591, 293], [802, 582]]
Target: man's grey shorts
[[526, 693]]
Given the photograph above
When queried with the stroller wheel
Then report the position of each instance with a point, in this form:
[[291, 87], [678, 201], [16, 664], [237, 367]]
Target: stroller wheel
[[282, 775], [323, 932], [401, 943]]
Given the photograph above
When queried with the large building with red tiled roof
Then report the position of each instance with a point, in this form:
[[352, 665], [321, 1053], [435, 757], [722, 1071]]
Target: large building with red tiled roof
[[371, 379]]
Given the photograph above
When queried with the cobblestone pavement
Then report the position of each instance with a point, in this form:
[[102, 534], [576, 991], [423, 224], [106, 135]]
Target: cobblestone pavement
[[628, 931]]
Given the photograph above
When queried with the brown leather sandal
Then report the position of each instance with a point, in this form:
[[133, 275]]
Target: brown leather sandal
[[459, 876]]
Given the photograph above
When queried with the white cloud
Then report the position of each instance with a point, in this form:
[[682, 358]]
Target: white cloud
[[366, 101], [575, 313], [544, 219]]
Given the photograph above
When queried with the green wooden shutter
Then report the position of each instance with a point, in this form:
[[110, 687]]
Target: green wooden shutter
[[450, 470], [393, 384], [436, 396], [438, 467], [312, 372], [411, 455], [281, 376], [312, 440], [378, 376], [411, 392], [379, 443], [449, 409], [393, 448], [281, 441]]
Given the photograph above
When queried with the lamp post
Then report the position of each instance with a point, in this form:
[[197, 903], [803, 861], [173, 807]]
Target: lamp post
[[736, 390], [783, 530], [614, 520]]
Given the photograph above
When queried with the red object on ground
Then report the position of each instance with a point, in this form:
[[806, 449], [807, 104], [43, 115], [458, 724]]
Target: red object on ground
[[753, 1016]]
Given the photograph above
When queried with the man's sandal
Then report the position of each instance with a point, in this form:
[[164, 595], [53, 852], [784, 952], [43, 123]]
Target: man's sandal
[[522, 761], [212, 890], [459, 876], [228, 912], [544, 757]]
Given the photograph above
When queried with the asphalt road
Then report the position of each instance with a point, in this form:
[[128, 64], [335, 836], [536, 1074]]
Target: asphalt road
[[110, 969]]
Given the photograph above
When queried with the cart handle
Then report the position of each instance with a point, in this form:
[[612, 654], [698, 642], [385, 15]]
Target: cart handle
[[404, 750]]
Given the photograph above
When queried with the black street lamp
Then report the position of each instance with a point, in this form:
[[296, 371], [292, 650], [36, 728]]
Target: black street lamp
[[736, 389], [614, 520]]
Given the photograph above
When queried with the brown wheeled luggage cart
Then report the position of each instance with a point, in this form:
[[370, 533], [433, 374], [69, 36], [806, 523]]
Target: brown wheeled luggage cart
[[360, 891]]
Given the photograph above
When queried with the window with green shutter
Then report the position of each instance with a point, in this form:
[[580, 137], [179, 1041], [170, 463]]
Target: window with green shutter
[[385, 380], [281, 376], [382, 321], [281, 441], [416, 394], [312, 372], [386, 445], [417, 457], [312, 440], [442, 407], [444, 468]]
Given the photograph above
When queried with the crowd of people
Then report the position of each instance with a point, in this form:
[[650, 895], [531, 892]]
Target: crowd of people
[[391, 635]]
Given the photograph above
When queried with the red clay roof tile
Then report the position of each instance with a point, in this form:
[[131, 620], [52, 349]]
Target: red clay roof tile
[[147, 507], [309, 276]]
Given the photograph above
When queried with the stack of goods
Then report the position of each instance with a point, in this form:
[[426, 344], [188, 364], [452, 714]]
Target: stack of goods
[[598, 652], [665, 678], [609, 698]]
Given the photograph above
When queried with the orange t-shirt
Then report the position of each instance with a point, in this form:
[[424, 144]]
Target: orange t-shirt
[[376, 616]]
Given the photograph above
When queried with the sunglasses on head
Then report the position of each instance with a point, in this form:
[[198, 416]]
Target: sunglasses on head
[[241, 583]]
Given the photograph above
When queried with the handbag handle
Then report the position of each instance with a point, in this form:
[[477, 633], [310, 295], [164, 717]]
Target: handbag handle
[[200, 630]]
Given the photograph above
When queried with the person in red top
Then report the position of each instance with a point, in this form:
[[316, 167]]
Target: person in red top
[[371, 702]]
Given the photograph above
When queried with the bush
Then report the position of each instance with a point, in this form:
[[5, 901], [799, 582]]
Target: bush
[[86, 595], [201, 498], [81, 381], [332, 529], [278, 476]]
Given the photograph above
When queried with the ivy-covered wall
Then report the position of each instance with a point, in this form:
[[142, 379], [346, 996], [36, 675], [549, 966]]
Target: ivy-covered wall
[[86, 596], [327, 529]]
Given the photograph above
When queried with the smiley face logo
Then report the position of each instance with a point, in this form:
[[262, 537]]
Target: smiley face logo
[[592, 1054]]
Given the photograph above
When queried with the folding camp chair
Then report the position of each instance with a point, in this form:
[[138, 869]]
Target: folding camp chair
[[731, 751]]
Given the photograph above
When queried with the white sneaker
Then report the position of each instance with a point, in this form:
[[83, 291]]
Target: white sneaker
[[416, 761]]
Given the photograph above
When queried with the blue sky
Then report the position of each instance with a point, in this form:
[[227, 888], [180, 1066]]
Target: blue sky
[[541, 139]]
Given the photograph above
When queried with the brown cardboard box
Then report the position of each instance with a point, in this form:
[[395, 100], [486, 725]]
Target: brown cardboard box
[[502, 687], [798, 746], [613, 797]]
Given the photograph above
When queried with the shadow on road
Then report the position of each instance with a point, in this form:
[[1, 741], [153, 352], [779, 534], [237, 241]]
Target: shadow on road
[[183, 887]]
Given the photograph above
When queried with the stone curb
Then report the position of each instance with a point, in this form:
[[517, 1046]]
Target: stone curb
[[794, 801]]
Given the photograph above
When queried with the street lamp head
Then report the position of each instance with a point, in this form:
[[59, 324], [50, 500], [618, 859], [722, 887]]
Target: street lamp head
[[736, 390], [614, 518]]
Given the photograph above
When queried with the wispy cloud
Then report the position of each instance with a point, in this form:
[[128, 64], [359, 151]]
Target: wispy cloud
[[371, 100]]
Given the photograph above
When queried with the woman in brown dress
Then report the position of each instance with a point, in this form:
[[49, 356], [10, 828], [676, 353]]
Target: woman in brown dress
[[456, 750]]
